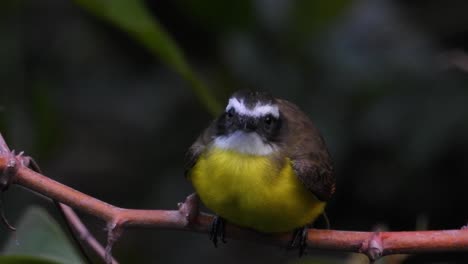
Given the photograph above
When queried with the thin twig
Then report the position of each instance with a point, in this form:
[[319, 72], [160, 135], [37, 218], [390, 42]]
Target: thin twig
[[83, 233], [71, 219]]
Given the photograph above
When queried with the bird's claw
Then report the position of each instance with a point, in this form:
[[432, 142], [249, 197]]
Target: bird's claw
[[218, 228], [299, 240]]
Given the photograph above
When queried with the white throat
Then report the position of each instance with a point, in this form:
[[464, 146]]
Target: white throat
[[248, 143]]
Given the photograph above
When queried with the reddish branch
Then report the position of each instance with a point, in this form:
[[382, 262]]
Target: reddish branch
[[72, 220], [84, 235], [373, 244]]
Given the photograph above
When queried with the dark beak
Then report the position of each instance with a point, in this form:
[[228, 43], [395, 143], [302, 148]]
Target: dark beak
[[248, 124]]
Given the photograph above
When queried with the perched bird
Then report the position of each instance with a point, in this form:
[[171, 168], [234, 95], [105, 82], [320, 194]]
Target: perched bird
[[263, 165]]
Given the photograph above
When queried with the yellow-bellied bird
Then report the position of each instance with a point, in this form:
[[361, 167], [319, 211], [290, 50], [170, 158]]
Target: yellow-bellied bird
[[263, 165]]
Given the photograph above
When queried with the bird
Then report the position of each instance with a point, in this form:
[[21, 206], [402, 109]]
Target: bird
[[263, 165]]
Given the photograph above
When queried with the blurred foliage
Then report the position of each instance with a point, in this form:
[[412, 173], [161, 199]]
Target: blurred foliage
[[219, 16], [84, 96], [39, 235], [308, 17], [25, 260], [45, 119], [134, 18]]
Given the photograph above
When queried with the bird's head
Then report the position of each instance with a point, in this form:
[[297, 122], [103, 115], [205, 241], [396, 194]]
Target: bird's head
[[250, 124]]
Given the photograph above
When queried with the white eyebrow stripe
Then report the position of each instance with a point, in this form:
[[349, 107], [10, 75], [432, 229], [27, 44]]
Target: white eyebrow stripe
[[259, 110]]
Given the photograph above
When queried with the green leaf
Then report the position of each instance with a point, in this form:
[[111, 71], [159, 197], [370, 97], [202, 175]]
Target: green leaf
[[45, 116], [219, 16], [134, 18], [39, 235], [317, 260], [310, 18], [25, 260]]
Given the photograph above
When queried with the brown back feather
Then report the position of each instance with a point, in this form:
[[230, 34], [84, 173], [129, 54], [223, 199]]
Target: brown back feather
[[307, 150]]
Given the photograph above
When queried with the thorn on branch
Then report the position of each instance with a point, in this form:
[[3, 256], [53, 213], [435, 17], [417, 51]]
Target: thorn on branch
[[9, 172], [4, 149], [373, 247], [189, 209], [114, 231]]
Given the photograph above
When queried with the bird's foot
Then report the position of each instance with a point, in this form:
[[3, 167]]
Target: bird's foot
[[299, 240], [218, 228]]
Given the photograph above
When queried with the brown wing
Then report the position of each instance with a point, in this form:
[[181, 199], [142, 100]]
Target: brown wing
[[198, 147], [308, 152]]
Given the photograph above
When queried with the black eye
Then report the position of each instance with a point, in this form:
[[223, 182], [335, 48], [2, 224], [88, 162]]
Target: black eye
[[230, 113], [268, 120]]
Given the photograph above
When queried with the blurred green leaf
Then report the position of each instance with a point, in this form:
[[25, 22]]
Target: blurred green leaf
[[317, 260], [221, 16], [134, 18], [39, 235], [8, 7], [25, 260], [310, 17], [47, 129]]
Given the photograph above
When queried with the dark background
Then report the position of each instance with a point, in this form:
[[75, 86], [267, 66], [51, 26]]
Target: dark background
[[385, 81]]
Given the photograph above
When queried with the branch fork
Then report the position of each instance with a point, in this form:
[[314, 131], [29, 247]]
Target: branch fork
[[372, 247], [13, 170], [12, 163], [8, 174], [189, 209]]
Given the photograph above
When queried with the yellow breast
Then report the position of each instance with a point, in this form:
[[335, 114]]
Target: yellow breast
[[253, 191]]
